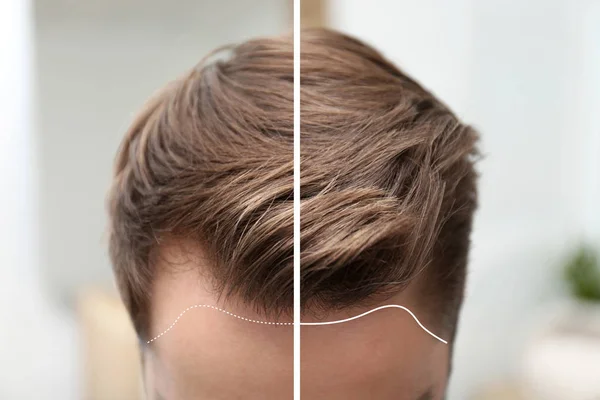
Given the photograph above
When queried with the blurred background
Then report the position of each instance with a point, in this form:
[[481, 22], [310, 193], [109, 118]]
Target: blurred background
[[525, 74], [72, 75]]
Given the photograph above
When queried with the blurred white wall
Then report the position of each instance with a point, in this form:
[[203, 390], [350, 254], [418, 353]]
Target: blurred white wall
[[526, 74], [36, 355]]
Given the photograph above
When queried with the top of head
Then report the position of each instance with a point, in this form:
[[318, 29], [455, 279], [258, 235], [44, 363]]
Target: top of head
[[387, 179]]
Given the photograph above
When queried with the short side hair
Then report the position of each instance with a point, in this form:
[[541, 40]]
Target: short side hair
[[388, 181], [210, 158]]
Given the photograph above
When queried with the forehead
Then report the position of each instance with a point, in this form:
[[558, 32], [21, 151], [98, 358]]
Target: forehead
[[384, 355], [209, 354], [223, 359]]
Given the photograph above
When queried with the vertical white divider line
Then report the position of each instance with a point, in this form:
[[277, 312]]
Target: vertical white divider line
[[296, 199]]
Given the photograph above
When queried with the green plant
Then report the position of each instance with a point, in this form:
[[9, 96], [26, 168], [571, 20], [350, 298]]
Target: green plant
[[583, 274]]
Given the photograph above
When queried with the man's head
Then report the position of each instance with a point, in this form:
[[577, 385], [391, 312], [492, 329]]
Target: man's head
[[202, 213]]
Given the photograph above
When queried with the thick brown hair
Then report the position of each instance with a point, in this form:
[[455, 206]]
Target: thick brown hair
[[210, 159], [388, 184], [388, 181]]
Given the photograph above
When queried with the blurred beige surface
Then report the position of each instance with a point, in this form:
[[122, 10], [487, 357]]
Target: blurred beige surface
[[499, 391], [110, 349], [312, 13]]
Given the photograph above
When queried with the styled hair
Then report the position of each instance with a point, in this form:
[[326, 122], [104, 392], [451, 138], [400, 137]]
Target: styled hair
[[388, 185], [210, 159], [388, 182]]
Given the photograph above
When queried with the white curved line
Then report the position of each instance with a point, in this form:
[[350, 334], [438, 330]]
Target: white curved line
[[373, 310], [218, 309], [301, 323]]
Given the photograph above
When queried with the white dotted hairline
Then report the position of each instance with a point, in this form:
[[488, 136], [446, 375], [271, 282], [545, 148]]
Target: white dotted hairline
[[218, 309], [301, 323]]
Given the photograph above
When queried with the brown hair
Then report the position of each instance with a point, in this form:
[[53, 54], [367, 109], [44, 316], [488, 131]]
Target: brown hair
[[387, 176], [388, 181], [210, 158]]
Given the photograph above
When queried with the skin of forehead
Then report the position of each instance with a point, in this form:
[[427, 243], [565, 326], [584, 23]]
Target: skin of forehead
[[384, 355], [212, 354]]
